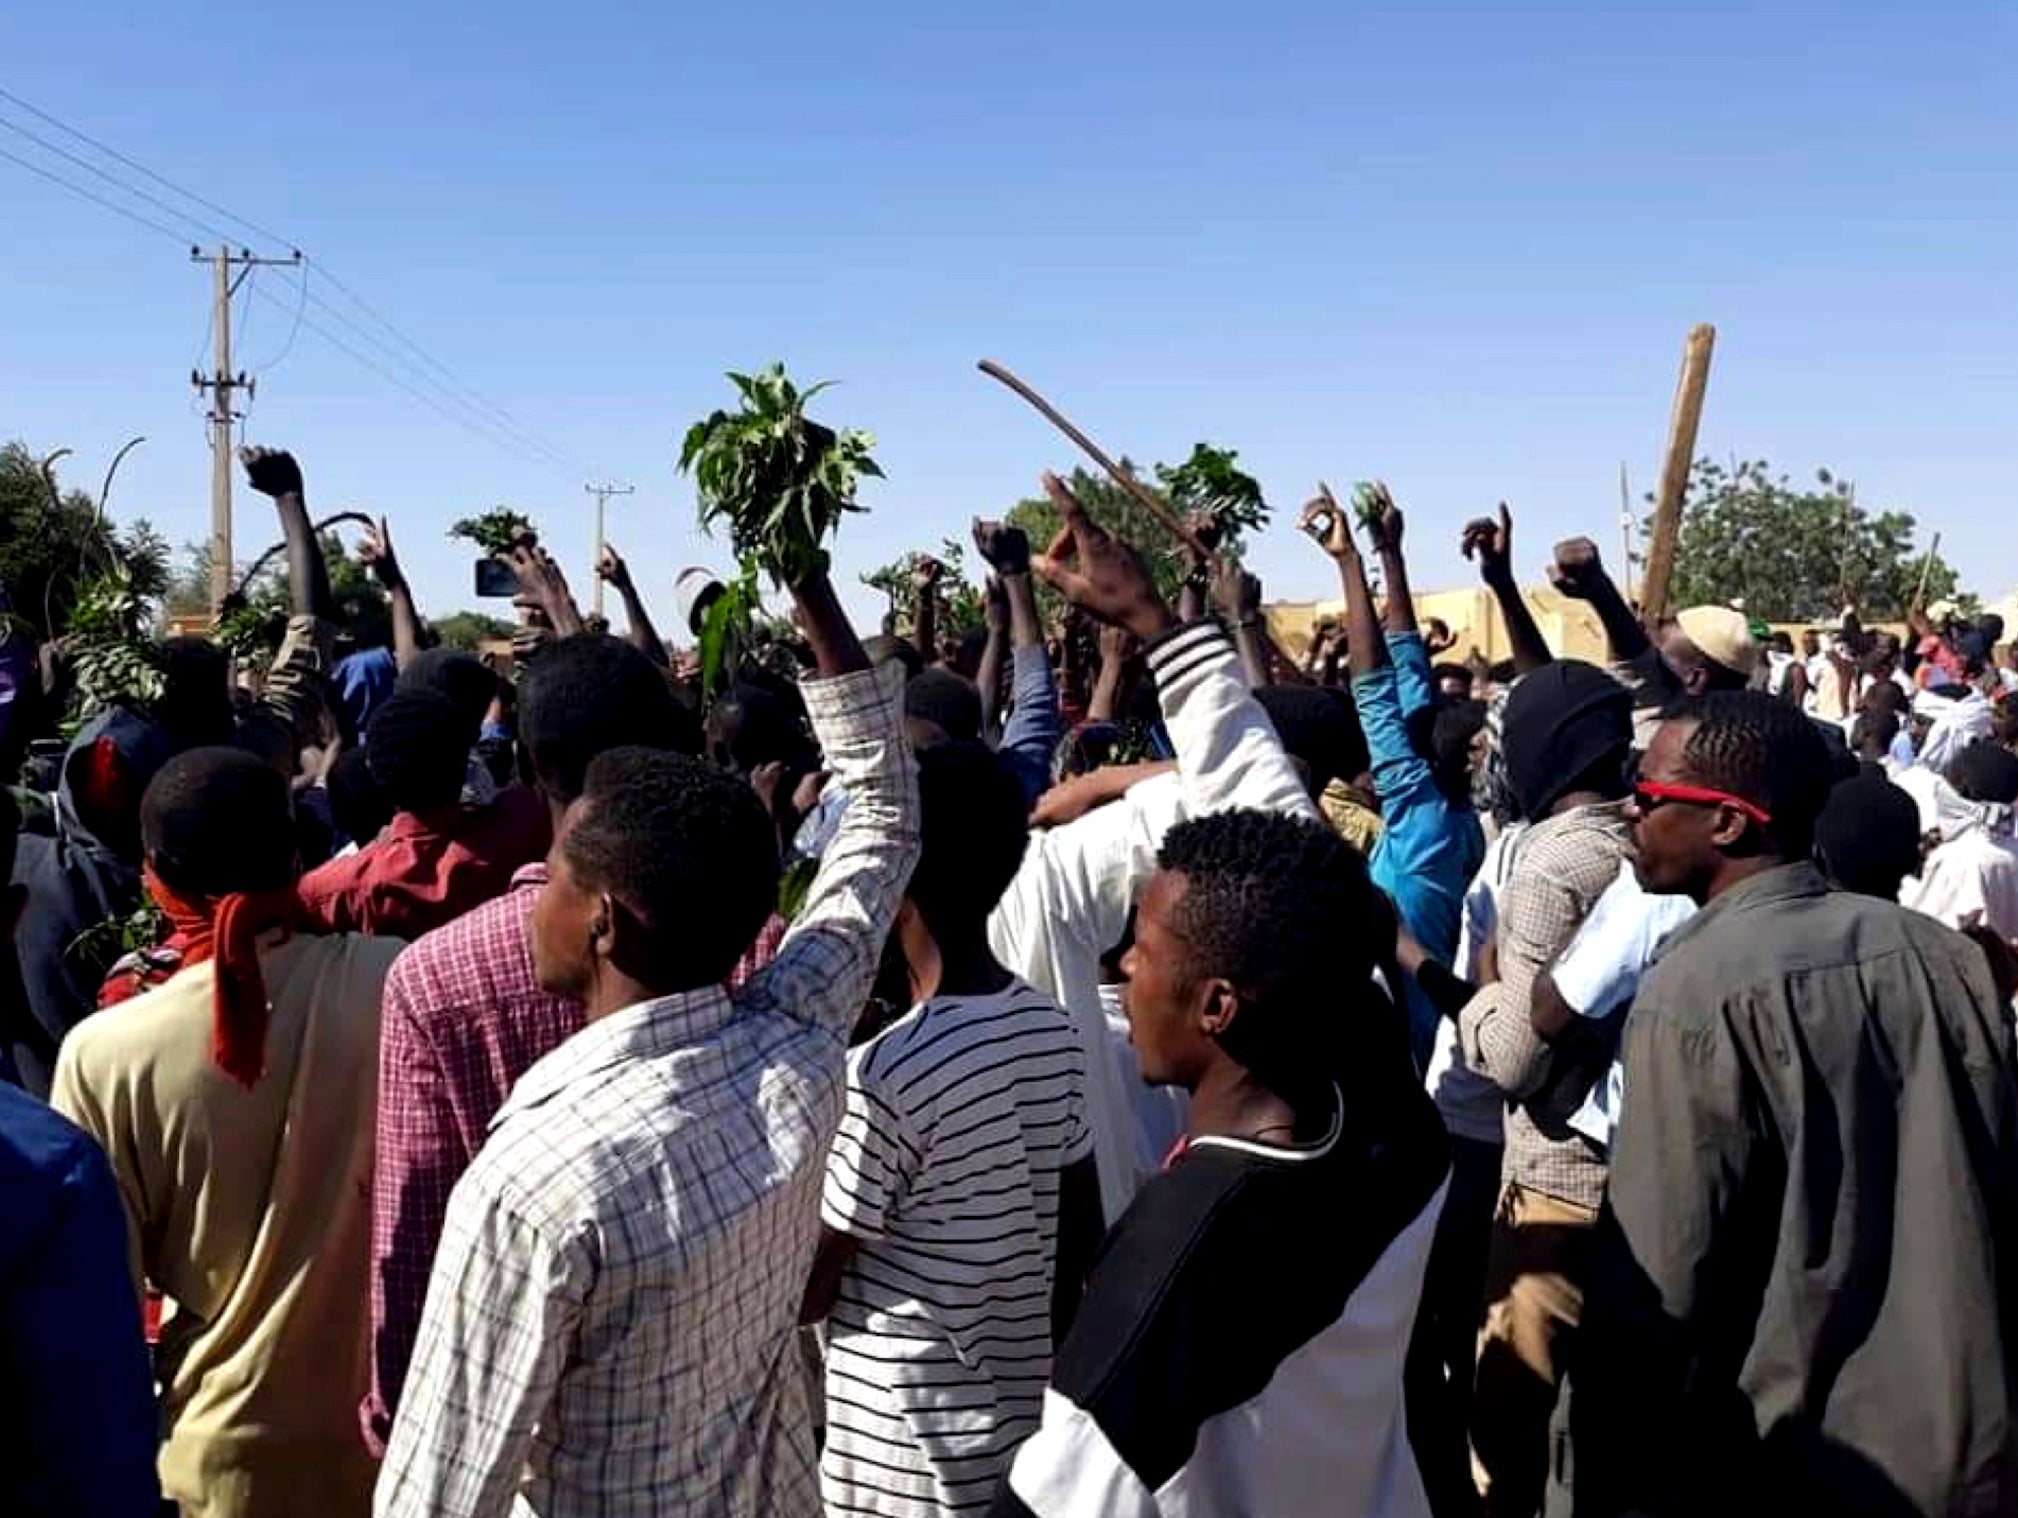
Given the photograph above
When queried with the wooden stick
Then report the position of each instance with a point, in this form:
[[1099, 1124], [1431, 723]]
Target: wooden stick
[[1926, 569], [1626, 525], [1682, 425], [1151, 502]]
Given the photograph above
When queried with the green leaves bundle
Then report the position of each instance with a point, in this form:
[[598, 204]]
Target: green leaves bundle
[[779, 480], [1210, 484], [494, 531]]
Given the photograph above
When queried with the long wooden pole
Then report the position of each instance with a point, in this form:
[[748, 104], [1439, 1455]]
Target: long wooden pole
[[1626, 530], [1151, 502], [1682, 425], [1926, 569]]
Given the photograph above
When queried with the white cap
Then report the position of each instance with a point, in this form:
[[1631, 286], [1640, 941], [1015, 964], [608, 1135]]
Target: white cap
[[691, 595]]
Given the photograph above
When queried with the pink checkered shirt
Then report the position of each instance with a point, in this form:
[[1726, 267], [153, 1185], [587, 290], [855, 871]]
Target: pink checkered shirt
[[463, 1020]]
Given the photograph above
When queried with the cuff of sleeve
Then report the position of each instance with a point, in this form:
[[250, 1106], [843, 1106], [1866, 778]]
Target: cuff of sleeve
[[1405, 640], [865, 702], [1185, 657], [1029, 660]]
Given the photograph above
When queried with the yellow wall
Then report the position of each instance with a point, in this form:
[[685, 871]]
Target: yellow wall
[[1570, 627]]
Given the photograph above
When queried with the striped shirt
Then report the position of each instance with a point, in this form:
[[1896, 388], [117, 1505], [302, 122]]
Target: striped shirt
[[959, 1119]]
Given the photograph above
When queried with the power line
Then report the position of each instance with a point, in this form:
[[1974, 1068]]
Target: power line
[[141, 168], [112, 179], [92, 195], [469, 424], [498, 421]]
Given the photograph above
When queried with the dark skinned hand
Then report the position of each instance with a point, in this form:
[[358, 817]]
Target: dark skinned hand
[[271, 471], [1006, 548], [1490, 543], [1100, 574]]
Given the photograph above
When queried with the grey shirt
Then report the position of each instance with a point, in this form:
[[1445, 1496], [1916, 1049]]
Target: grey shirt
[[1805, 1289]]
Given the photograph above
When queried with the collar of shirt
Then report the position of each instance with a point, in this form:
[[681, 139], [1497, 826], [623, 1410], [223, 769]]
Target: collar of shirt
[[534, 874], [639, 1032], [1786, 882]]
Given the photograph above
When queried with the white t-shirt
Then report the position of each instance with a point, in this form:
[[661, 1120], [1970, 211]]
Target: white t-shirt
[[1472, 1106], [960, 1117], [1598, 974]]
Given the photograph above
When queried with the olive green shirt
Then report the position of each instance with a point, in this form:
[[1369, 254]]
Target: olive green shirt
[[1805, 1292]]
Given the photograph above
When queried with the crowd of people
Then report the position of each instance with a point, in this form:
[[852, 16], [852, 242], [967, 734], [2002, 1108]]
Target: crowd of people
[[1114, 1064]]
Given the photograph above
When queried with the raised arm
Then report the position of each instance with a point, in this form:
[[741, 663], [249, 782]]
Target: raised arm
[[637, 621], [273, 472], [1579, 573], [1398, 615], [1117, 646], [828, 961], [925, 577], [1490, 543], [994, 654], [1030, 737], [543, 587], [1236, 596], [377, 553], [1324, 521]]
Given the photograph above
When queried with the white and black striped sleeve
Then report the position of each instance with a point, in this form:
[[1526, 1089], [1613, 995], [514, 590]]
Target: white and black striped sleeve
[[875, 1155]]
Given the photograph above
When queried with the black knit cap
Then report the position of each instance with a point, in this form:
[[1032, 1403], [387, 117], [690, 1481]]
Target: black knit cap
[[1868, 836], [1561, 721]]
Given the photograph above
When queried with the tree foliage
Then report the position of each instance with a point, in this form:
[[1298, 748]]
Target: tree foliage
[[470, 630], [54, 544], [1795, 553], [962, 607]]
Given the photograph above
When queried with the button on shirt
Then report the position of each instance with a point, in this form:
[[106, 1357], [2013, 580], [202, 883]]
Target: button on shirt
[[610, 1326]]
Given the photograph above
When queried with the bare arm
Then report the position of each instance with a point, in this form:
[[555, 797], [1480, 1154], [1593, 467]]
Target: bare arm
[[1491, 543], [1398, 616], [1079, 1231], [1069, 800], [637, 621], [1237, 596], [830, 1263], [1324, 520], [994, 654], [925, 626], [1579, 573], [376, 551], [542, 586], [273, 472], [1117, 646]]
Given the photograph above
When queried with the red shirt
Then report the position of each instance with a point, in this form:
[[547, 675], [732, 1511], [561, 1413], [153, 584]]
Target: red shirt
[[422, 873]]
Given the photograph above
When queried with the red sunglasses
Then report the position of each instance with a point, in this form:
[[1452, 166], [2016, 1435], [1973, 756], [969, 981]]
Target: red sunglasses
[[1652, 794]]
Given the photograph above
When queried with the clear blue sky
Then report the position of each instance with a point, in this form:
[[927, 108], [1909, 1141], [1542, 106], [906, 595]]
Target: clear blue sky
[[1456, 247]]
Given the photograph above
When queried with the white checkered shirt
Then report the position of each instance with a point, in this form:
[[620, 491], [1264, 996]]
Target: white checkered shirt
[[609, 1327]]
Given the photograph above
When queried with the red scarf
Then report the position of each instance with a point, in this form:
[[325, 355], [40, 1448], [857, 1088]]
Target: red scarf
[[230, 934]]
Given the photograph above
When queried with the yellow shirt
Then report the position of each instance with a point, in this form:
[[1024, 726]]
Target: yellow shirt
[[251, 1212]]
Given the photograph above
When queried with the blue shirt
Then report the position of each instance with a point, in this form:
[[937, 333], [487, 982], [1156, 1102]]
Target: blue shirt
[[79, 1432], [1430, 847], [1030, 736]]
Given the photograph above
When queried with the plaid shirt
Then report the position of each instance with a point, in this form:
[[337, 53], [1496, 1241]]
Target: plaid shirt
[[1560, 868], [610, 1326], [464, 1018]]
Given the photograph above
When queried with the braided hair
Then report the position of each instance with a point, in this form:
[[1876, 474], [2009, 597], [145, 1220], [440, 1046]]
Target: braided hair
[[1765, 751]]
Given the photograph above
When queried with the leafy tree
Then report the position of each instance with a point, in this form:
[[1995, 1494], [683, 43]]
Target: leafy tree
[[470, 630], [54, 543], [1793, 553], [961, 606]]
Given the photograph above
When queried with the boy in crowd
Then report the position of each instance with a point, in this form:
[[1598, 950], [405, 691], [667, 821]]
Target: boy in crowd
[[961, 1202]]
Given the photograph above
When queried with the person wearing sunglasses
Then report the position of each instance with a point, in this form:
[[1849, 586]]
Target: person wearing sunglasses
[[1801, 1293]]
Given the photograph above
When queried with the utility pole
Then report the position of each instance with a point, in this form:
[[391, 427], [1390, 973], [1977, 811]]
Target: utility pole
[[602, 493], [220, 385]]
